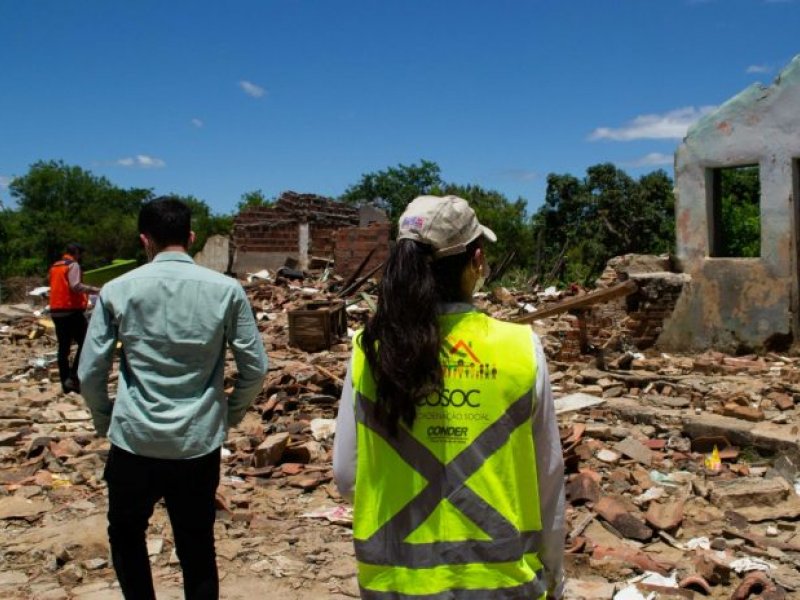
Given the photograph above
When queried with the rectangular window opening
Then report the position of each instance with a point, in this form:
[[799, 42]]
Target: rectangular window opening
[[736, 212]]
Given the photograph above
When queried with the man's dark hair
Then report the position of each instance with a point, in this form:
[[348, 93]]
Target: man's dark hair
[[73, 248], [167, 221]]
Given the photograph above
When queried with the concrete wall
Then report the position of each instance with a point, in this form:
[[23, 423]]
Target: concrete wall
[[740, 303], [215, 254]]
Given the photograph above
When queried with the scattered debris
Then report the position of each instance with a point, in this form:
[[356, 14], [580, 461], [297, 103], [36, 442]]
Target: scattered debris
[[638, 428]]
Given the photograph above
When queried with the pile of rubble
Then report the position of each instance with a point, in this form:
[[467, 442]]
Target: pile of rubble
[[682, 471]]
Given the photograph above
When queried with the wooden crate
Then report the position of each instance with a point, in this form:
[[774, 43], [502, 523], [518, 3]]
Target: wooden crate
[[317, 325]]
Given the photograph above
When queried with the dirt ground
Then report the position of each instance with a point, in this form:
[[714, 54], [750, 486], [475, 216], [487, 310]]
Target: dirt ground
[[679, 470]]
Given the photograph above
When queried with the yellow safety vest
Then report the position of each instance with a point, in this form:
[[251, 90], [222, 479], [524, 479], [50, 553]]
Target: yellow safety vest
[[449, 508]]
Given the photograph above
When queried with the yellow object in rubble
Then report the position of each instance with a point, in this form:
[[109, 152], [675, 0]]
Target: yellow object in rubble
[[713, 462]]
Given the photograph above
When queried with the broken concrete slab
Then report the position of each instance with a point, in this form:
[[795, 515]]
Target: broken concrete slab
[[633, 448], [19, 508], [748, 491], [575, 402]]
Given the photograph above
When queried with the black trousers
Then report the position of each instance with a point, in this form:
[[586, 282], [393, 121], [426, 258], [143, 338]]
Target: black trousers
[[135, 484], [69, 328]]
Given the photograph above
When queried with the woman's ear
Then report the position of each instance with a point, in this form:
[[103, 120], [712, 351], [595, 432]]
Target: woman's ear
[[477, 259]]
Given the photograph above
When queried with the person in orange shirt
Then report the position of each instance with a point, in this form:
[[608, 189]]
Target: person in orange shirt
[[68, 302]]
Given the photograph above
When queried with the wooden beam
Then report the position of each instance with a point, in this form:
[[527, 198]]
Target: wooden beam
[[597, 297]]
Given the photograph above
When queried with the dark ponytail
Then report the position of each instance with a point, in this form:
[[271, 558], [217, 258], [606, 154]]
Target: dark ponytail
[[402, 341]]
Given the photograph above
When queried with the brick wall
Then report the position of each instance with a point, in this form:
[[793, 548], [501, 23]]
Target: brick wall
[[633, 322], [639, 318], [354, 244], [567, 333], [652, 305], [276, 228], [268, 233], [269, 237], [323, 240]]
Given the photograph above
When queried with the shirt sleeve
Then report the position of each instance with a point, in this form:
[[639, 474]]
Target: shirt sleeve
[[245, 342], [550, 470], [95, 363], [74, 278], [345, 444]]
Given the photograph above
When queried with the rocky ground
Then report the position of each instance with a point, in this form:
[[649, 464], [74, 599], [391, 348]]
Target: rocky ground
[[681, 472]]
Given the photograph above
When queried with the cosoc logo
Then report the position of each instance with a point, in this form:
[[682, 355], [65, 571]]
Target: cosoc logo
[[454, 398]]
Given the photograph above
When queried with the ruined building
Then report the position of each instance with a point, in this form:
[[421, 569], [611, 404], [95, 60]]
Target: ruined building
[[301, 226], [734, 302]]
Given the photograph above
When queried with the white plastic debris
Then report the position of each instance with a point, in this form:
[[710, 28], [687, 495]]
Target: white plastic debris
[[550, 292], [699, 542], [263, 274], [323, 429], [651, 578], [39, 291], [654, 493], [772, 531], [226, 453], [631, 592], [528, 307], [750, 563]]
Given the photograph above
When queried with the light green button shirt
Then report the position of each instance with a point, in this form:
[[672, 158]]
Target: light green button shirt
[[175, 320]]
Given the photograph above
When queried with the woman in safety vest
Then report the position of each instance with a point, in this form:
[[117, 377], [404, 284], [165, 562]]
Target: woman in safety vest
[[446, 437]]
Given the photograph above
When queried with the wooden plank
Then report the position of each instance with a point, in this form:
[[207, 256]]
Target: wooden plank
[[597, 297]]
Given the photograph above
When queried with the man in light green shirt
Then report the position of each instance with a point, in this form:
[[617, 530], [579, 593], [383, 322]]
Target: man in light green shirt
[[175, 320]]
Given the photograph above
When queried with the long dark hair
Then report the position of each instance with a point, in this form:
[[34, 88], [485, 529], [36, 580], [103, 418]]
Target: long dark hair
[[401, 341]]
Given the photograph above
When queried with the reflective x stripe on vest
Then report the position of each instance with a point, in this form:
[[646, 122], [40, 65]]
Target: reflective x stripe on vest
[[386, 557]]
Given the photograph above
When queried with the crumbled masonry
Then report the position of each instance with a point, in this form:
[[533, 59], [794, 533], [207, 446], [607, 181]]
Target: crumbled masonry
[[648, 510]]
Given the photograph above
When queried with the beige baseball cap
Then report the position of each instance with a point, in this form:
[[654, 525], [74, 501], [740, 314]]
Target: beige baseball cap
[[447, 223]]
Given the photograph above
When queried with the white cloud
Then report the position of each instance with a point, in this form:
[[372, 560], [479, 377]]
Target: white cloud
[[669, 125], [142, 161], [520, 174], [251, 89], [197, 122], [758, 69], [5, 182], [654, 159]]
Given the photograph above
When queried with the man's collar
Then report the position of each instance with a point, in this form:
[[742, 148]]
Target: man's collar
[[173, 256]]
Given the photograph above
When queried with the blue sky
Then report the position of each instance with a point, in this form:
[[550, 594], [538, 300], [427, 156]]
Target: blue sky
[[215, 100]]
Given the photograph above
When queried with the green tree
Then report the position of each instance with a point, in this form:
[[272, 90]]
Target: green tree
[[583, 223], [252, 199], [56, 204], [395, 187], [740, 212]]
